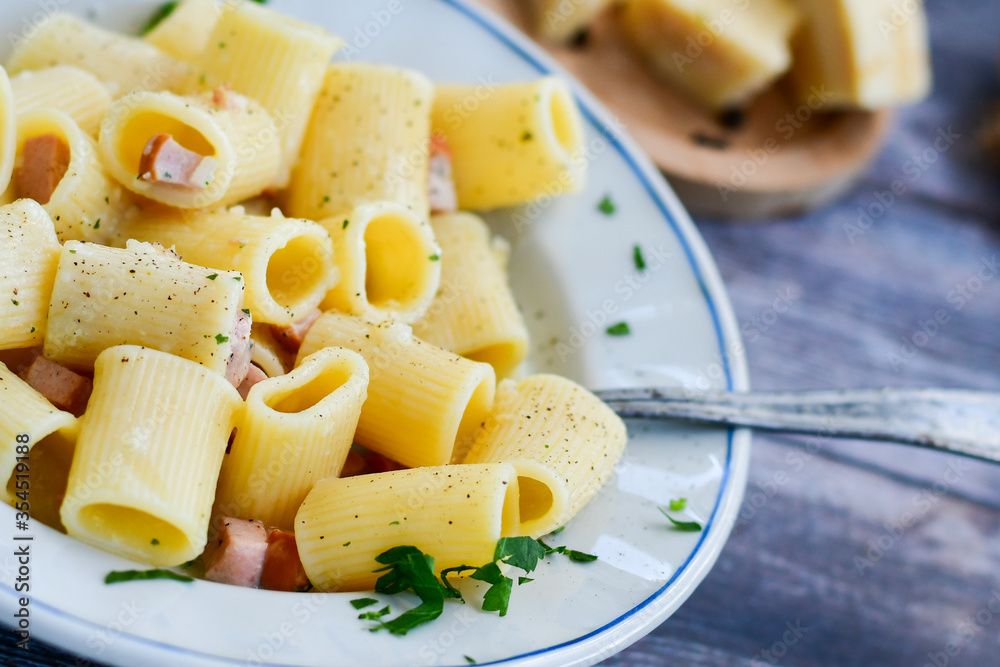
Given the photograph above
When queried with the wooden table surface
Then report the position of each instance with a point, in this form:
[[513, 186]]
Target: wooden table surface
[[820, 569]]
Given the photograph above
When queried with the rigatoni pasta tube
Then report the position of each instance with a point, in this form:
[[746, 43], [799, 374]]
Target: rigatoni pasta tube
[[238, 135], [517, 142], [286, 263], [86, 203], [72, 90], [296, 430], [8, 129], [185, 32], [551, 428], [421, 399], [144, 295], [148, 456], [268, 354], [124, 63], [454, 513], [368, 140], [389, 262], [27, 419], [29, 256], [474, 313], [274, 59]]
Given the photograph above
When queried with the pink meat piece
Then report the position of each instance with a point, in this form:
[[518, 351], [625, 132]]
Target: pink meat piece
[[254, 376], [440, 183], [283, 569], [224, 98], [44, 161], [65, 389], [236, 555], [291, 337], [242, 350], [166, 161]]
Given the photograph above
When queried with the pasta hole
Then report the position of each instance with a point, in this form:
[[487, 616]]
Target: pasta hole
[[500, 356], [510, 519], [135, 529], [50, 463], [294, 271], [563, 121], [475, 412], [292, 400], [143, 126], [396, 258], [535, 498]]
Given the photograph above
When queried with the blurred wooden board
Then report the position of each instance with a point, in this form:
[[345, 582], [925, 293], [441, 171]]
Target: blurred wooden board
[[781, 159]]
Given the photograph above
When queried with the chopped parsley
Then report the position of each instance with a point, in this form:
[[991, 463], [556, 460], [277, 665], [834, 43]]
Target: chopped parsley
[[14, 301], [97, 224], [246, 311], [678, 505], [607, 207], [527, 136], [155, 542], [346, 222], [640, 261], [213, 276], [683, 526], [374, 615], [361, 603], [469, 660], [220, 339], [162, 12], [409, 569], [119, 576], [620, 329], [434, 258]]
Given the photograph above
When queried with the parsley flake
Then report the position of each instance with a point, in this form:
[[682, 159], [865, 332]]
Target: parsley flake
[[119, 576], [620, 329], [162, 12], [640, 261], [220, 339], [361, 603], [213, 276], [346, 222], [607, 207], [434, 258], [246, 311], [683, 526], [678, 505]]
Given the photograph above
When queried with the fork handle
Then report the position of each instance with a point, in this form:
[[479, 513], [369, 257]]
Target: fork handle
[[958, 421]]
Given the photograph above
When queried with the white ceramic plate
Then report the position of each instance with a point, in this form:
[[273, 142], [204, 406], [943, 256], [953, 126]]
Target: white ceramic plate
[[573, 272]]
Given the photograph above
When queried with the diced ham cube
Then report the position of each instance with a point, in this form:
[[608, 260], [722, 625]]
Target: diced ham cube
[[65, 389], [242, 350], [291, 337], [166, 161], [236, 555], [253, 377], [283, 569], [45, 159], [440, 183]]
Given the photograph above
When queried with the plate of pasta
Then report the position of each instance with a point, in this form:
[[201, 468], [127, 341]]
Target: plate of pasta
[[302, 309]]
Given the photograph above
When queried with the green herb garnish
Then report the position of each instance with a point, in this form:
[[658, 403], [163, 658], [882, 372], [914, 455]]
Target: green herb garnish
[[162, 12], [220, 339], [640, 261], [683, 526], [213, 276], [361, 603], [119, 576], [607, 207], [678, 505], [620, 329]]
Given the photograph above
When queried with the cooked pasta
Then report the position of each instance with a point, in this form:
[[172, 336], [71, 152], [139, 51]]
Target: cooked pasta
[[519, 142], [556, 433], [185, 33], [277, 61], [84, 202], [454, 513], [143, 295], [296, 430], [368, 141], [285, 263], [29, 255], [474, 313], [389, 262], [421, 399], [70, 89], [124, 63], [148, 455], [233, 136]]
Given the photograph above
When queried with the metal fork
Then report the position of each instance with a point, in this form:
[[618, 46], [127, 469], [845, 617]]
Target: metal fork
[[952, 420]]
